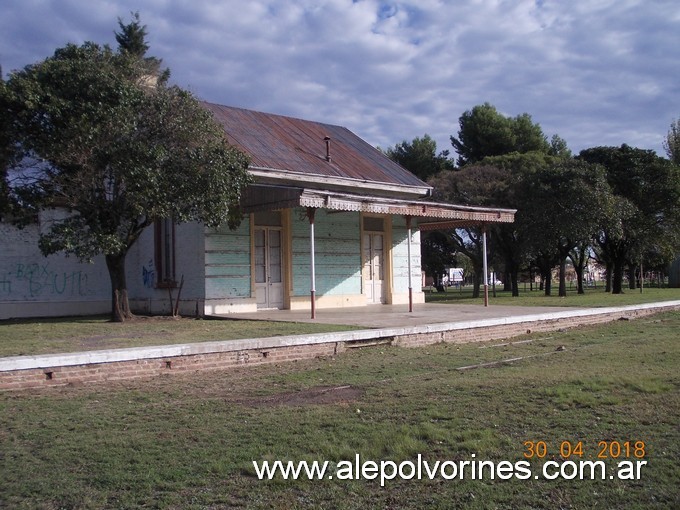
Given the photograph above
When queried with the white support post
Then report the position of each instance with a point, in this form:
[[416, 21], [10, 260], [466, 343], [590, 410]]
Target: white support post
[[410, 276], [310, 215], [486, 269]]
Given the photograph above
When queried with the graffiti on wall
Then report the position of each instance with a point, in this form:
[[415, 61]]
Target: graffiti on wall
[[149, 275], [33, 279]]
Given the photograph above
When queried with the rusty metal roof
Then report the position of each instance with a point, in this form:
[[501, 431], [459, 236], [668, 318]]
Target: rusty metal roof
[[290, 164], [287, 144]]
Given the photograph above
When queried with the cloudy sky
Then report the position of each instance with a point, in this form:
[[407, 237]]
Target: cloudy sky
[[595, 72]]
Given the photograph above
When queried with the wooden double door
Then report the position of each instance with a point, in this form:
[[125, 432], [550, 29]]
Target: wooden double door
[[268, 267], [374, 267]]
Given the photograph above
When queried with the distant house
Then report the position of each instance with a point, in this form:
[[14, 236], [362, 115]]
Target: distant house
[[329, 222]]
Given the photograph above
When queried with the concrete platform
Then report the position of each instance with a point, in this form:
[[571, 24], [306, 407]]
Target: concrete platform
[[391, 316], [393, 325]]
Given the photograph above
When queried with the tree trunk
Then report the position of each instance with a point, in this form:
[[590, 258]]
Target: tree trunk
[[579, 279], [476, 283], [579, 257], [120, 306], [563, 277], [608, 276], [632, 280], [547, 286], [617, 277], [514, 276], [511, 276], [507, 282]]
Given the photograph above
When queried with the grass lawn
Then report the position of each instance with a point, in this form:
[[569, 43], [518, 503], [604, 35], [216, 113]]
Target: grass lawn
[[188, 440], [594, 297], [73, 334]]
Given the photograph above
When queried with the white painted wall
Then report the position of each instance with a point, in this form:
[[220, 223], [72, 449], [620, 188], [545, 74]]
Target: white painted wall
[[32, 285], [143, 293]]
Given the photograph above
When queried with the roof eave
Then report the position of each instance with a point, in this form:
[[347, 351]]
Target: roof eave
[[428, 215], [264, 175]]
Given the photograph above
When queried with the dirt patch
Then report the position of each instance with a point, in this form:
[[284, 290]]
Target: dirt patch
[[320, 395]]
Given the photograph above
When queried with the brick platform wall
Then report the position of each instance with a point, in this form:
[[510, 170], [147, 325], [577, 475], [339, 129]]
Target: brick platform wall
[[505, 331], [145, 368]]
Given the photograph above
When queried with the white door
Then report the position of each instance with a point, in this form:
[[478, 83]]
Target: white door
[[374, 267], [268, 270]]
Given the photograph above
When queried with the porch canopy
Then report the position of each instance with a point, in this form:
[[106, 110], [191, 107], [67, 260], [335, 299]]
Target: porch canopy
[[429, 215]]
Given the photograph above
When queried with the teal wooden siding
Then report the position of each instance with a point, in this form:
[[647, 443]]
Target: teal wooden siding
[[227, 262], [337, 244], [400, 255]]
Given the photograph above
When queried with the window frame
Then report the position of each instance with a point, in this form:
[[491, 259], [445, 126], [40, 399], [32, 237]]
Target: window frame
[[165, 253]]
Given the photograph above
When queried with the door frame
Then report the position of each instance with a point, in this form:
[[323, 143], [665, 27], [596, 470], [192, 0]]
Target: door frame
[[286, 269], [387, 253], [267, 247]]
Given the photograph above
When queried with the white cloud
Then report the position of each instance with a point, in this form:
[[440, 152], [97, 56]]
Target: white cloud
[[596, 73]]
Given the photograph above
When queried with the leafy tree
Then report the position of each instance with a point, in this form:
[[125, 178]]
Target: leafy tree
[[647, 190], [564, 206], [117, 153], [511, 242], [672, 142], [558, 147], [469, 243], [439, 253], [559, 202], [5, 150], [528, 136], [485, 132], [132, 42], [493, 151], [420, 157], [465, 264], [132, 37], [471, 185], [610, 241]]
